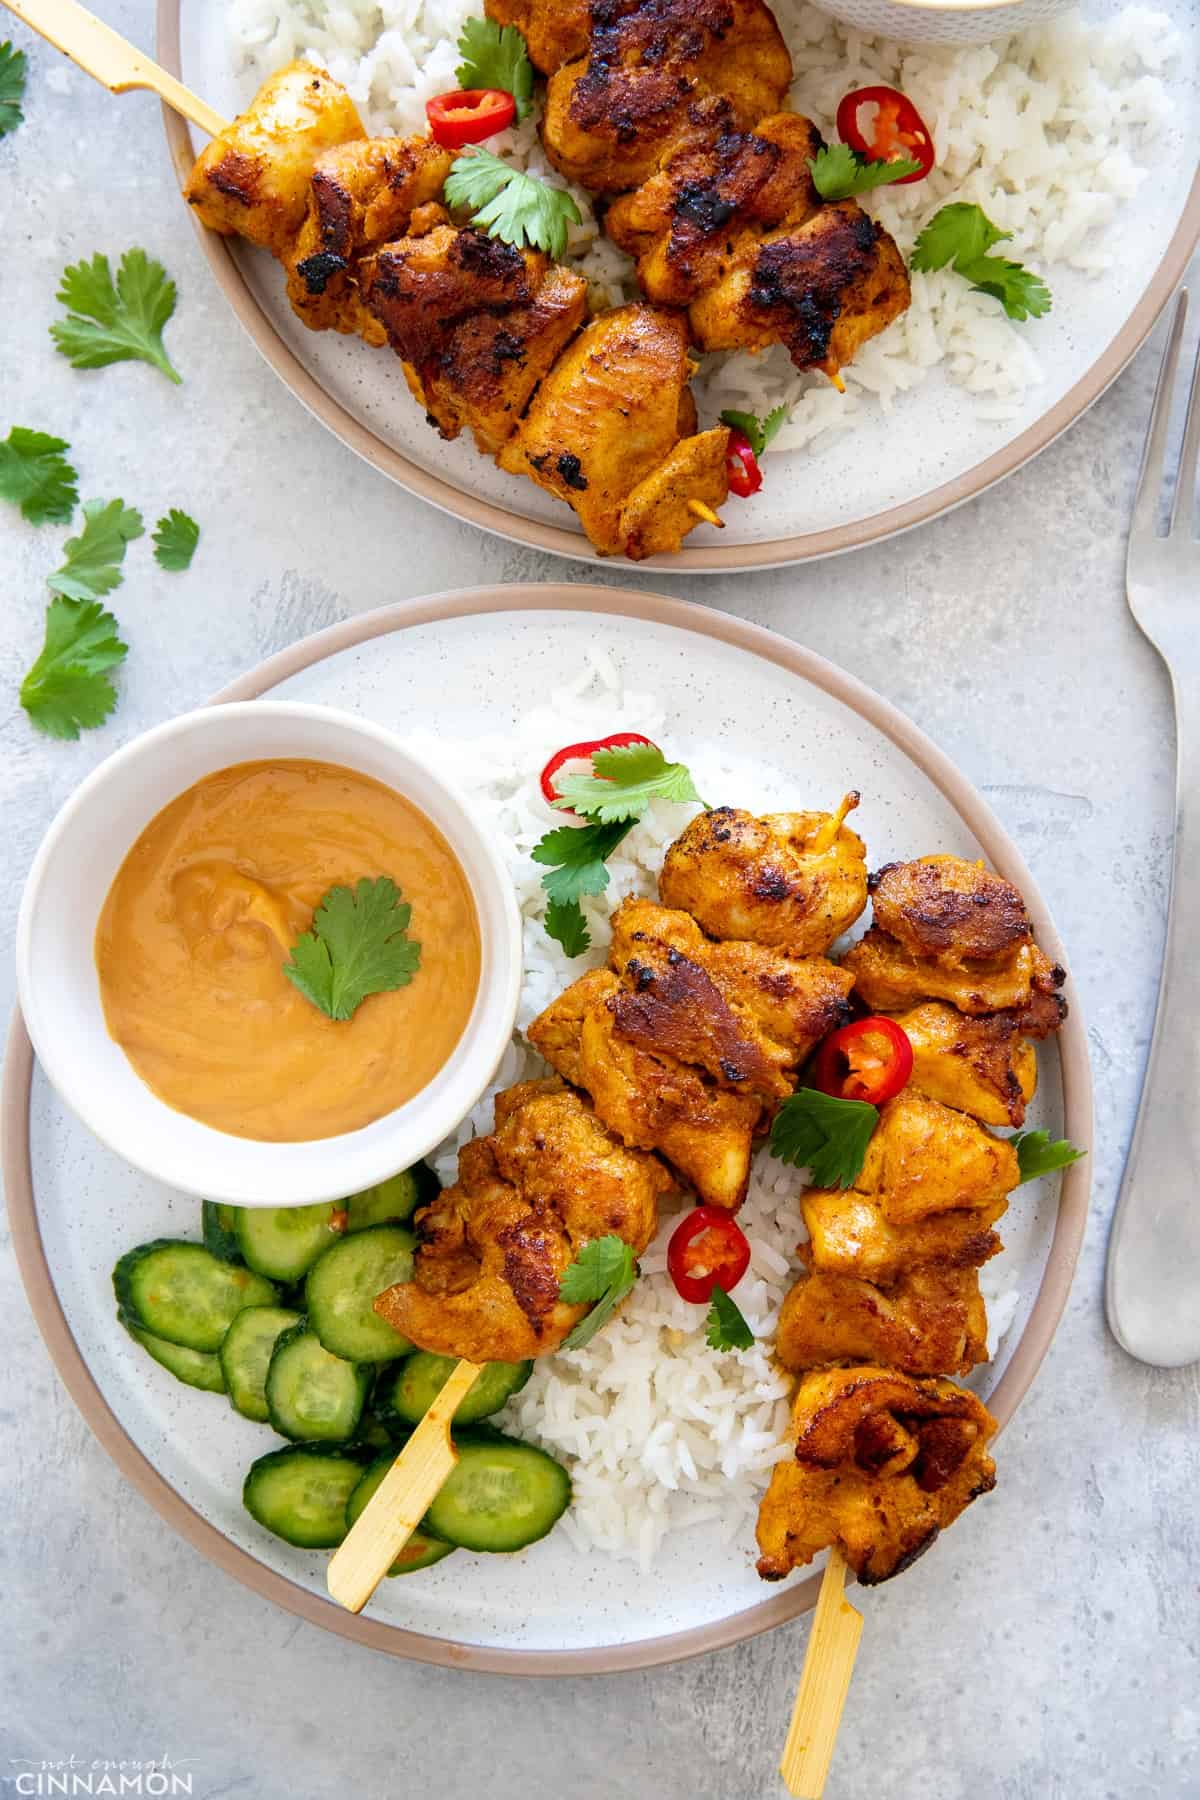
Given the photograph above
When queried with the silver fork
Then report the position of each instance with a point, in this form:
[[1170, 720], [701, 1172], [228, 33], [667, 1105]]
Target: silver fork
[[1153, 1286]]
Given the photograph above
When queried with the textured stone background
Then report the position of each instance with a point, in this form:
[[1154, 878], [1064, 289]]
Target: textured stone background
[[1048, 1651]]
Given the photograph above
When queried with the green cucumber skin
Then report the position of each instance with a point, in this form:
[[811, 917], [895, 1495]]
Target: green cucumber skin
[[281, 1410], [393, 1201], [217, 1228], [485, 1531], [201, 1333], [263, 1233], [264, 1475], [199, 1369], [428, 1548], [407, 1395], [354, 1331], [247, 1395]]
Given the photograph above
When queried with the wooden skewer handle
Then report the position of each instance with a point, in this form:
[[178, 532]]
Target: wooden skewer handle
[[824, 1684], [400, 1501], [114, 62]]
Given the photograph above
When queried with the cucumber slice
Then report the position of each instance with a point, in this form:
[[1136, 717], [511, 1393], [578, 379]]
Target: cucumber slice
[[392, 1201], [245, 1355], [183, 1293], [195, 1368], [422, 1549], [217, 1222], [411, 1391], [500, 1495], [373, 1433], [312, 1395], [341, 1288], [284, 1241], [301, 1494]]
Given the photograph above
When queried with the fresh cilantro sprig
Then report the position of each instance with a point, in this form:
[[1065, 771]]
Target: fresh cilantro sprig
[[574, 858], [12, 87], [35, 475], [358, 945], [623, 782], [92, 563], [1038, 1154], [510, 205], [838, 171], [67, 689], [604, 1271], [494, 56], [758, 432], [959, 236], [175, 539], [121, 321], [826, 1136], [725, 1324]]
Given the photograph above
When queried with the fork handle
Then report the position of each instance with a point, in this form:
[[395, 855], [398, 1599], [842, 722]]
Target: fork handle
[[1153, 1285]]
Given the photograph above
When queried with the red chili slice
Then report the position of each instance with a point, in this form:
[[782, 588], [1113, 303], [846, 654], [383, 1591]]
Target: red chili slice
[[869, 1059], [741, 466], [469, 115], [898, 130], [707, 1248], [583, 754]]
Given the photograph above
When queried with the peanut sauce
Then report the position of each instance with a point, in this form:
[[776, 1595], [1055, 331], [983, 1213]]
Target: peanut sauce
[[203, 914]]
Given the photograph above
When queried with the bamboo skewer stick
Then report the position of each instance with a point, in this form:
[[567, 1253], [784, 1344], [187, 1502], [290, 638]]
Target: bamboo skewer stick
[[400, 1501], [824, 1684], [111, 59]]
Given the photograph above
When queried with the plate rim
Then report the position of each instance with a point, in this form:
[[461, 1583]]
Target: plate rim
[[1027, 1356], [781, 552]]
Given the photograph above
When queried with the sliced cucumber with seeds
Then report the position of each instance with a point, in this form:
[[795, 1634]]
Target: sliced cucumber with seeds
[[342, 1286], [217, 1228], [500, 1495], [246, 1356], [182, 1292], [413, 1388], [284, 1241], [422, 1549], [195, 1368], [301, 1494], [312, 1395], [392, 1201]]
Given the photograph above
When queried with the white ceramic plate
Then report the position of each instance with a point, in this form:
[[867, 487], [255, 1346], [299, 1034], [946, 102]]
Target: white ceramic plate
[[483, 658]]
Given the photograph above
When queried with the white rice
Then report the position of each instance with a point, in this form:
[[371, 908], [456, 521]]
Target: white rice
[[1051, 132]]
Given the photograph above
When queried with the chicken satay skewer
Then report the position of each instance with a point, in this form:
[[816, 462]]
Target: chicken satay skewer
[[824, 1685]]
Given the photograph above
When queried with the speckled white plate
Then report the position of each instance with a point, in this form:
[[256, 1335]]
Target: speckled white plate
[[482, 658]]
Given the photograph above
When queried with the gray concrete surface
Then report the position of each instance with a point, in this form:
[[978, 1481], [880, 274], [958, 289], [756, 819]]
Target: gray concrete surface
[[1048, 1651]]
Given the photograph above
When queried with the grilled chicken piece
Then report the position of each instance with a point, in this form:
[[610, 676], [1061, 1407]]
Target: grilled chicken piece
[[492, 1249], [608, 419], [555, 31], [882, 1464], [477, 323], [616, 110], [850, 1234], [930, 1321], [821, 286], [984, 1066], [792, 881], [946, 929], [253, 180]]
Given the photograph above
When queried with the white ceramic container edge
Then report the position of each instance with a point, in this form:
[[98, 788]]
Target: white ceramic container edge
[[956, 22]]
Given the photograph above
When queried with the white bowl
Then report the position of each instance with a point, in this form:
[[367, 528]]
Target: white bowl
[[944, 21], [60, 991]]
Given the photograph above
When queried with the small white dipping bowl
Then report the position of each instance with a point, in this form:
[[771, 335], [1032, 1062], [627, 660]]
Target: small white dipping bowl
[[60, 990], [944, 21]]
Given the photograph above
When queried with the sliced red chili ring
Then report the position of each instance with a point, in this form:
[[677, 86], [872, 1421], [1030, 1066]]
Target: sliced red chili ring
[[869, 1059], [898, 130], [741, 465], [708, 1248], [469, 115], [582, 754]]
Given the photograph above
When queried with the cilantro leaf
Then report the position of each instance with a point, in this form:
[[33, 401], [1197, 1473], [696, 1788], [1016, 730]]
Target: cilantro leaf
[[624, 781], [603, 1271], [357, 946], [959, 236], [494, 56], [758, 432], [109, 324], [175, 540], [1021, 293], [1038, 1155], [12, 87], [726, 1327], [510, 205], [93, 559], [827, 1137], [576, 858], [66, 690], [35, 476], [565, 923], [838, 171]]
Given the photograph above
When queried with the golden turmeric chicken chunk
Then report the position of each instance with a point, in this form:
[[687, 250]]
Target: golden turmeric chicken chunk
[[929, 1321], [850, 1234], [792, 881], [947, 929], [985, 1066], [492, 1249], [555, 31], [882, 1464]]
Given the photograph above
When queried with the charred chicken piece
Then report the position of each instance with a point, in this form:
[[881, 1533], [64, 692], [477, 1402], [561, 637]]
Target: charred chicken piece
[[984, 1066], [791, 881], [930, 1321], [882, 1464], [555, 31], [492, 1249]]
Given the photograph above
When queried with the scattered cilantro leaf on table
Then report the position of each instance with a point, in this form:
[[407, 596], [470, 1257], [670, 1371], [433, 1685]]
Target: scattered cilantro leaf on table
[[92, 564], [111, 322], [757, 432], [726, 1327], [827, 1137], [839, 171], [36, 476], [623, 782], [510, 205], [67, 689], [1038, 1155], [494, 56], [175, 539], [604, 1272], [12, 87], [959, 236], [358, 945]]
